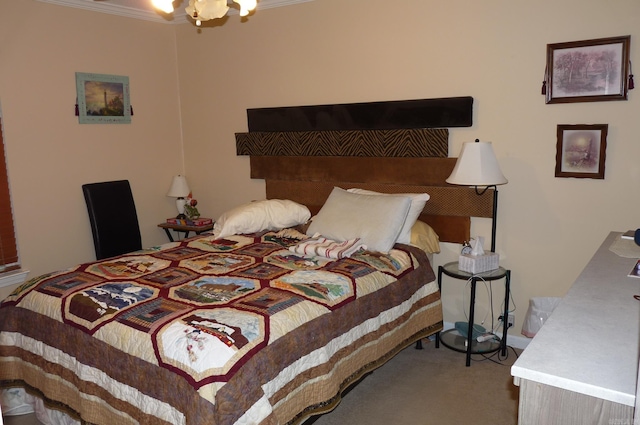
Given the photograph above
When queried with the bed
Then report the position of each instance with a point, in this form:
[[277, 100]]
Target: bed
[[126, 340], [292, 319]]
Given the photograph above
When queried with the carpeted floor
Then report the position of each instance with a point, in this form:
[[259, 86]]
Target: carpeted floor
[[422, 387], [432, 387]]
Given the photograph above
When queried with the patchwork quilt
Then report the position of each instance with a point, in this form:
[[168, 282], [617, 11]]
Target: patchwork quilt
[[240, 330]]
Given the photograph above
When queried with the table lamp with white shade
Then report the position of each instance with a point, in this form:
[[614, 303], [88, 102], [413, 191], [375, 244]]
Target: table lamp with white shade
[[180, 190]]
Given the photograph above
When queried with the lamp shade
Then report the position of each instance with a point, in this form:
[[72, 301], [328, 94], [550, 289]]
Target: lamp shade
[[179, 187], [477, 165]]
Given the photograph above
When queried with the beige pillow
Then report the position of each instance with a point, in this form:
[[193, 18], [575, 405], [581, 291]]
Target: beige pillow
[[418, 200], [376, 220], [425, 238]]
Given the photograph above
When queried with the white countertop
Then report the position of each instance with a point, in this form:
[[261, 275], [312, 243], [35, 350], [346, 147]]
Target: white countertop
[[590, 344]]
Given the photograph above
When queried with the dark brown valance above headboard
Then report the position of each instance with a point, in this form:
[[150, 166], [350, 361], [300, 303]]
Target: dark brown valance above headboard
[[447, 112]]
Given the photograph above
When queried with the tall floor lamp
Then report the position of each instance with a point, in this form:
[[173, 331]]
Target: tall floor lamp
[[477, 166]]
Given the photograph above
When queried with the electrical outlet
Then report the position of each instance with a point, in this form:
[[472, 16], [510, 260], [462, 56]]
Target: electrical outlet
[[511, 321]]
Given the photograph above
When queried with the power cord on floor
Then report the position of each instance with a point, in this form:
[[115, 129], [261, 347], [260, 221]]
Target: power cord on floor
[[497, 357]]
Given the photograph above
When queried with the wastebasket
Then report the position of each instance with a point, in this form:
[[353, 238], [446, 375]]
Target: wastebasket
[[539, 311]]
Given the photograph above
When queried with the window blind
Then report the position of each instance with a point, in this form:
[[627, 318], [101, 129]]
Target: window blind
[[8, 248]]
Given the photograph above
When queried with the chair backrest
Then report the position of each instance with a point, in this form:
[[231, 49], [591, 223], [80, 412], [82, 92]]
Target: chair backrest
[[113, 217]]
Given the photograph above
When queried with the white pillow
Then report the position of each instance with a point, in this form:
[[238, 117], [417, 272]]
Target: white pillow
[[418, 200], [271, 214], [376, 220]]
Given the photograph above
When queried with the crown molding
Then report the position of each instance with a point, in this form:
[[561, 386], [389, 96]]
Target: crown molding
[[148, 14]]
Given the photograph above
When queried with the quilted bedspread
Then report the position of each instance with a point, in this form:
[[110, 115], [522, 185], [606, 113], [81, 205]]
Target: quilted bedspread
[[211, 331]]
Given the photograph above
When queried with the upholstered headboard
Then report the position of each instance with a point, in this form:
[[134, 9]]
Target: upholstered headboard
[[304, 164]]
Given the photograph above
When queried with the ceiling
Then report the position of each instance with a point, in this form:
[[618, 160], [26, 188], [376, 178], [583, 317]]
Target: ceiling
[[142, 9]]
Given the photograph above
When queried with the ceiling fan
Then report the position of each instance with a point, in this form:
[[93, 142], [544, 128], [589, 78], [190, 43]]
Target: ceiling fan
[[203, 10]]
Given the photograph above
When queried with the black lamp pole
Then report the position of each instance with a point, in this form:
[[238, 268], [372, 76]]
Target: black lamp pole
[[494, 214], [494, 219]]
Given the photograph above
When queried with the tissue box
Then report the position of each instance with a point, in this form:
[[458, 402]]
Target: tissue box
[[478, 263]]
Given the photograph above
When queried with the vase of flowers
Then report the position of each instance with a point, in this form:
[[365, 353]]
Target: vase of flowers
[[190, 209]]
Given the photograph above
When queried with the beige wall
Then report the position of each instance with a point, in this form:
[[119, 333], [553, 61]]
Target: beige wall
[[334, 51], [50, 155], [324, 51]]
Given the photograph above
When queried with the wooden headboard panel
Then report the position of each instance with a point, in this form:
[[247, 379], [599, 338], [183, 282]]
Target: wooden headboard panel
[[390, 147], [309, 181]]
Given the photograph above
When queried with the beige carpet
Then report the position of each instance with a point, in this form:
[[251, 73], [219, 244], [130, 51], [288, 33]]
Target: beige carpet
[[432, 387], [422, 387]]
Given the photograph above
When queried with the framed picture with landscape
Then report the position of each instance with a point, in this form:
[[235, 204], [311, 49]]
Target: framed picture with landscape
[[581, 150], [103, 99], [588, 70]]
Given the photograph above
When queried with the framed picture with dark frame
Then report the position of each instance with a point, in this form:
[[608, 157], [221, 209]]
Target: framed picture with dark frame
[[588, 71], [581, 150], [103, 99]]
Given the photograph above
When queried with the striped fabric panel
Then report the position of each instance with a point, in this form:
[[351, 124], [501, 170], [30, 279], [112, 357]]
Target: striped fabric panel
[[416, 143]]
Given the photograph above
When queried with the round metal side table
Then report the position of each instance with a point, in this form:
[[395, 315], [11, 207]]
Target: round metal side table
[[466, 343]]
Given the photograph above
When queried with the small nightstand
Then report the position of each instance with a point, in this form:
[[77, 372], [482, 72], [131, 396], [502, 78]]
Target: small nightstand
[[185, 229], [466, 344]]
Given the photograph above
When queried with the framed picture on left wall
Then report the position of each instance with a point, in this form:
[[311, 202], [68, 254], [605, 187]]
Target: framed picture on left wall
[[102, 99]]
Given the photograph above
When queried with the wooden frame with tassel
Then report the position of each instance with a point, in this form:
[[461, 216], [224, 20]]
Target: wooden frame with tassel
[[588, 70]]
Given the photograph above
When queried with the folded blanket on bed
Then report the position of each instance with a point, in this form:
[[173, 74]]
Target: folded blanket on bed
[[324, 247]]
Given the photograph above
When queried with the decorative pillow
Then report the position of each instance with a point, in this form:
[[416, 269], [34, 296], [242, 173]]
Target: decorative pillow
[[425, 238], [418, 200], [270, 214], [376, 220]]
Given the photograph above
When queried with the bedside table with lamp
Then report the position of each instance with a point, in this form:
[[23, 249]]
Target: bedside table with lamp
[[477, 166], [182, 224]]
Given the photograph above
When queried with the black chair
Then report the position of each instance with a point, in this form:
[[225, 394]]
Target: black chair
[[113, 217]]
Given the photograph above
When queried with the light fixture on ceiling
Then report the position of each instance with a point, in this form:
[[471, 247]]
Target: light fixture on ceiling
[[476, 166], [204, 10]]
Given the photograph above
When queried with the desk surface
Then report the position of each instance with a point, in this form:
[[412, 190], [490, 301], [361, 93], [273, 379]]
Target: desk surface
[[590, 343]]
